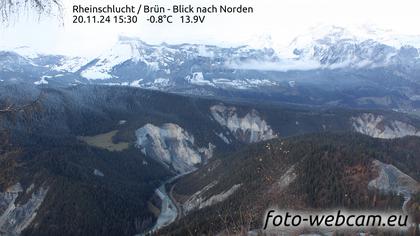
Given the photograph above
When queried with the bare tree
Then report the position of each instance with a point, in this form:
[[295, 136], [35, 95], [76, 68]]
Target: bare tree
[[14, 8], [10, 112], [12, 108]]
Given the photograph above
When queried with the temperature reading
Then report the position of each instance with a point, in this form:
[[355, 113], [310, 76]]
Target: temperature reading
[[160, 19], [192, 19]]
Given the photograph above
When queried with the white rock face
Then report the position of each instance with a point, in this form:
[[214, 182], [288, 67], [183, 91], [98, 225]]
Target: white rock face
[[220, 197], [375, 126], [287, 178], [98, 173], [172, 145], [207, 152], [292, 84], [198, 201], [224, 138], [391, 179], [16, 217], [250, 129]]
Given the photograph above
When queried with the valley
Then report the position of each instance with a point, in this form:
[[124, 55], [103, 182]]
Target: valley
[[286, 175], [196, 139], [160, 139]]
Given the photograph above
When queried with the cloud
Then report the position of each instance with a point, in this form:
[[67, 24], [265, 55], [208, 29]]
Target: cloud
[[282, 19], [283, 65]]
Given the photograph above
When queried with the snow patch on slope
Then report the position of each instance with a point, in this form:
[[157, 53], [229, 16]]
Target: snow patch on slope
[[43, 80], [70, 64], [242, 83], [98, 173], [376, 126], [197, 78], [250, 129], [173, 146], [157, 84]]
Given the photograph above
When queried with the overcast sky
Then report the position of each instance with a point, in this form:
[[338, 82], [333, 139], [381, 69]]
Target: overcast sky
[[283, 19]]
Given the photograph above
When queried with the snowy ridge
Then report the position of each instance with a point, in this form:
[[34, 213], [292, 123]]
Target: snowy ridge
[[121, 52], [70, 64], [336, 47], [26, 52]]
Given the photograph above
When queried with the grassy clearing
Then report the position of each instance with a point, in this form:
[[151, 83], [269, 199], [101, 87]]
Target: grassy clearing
[[104, 141]]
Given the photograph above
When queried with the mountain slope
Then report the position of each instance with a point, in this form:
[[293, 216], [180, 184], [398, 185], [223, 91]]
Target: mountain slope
[[322, 171], [100, 152], [337, 47]]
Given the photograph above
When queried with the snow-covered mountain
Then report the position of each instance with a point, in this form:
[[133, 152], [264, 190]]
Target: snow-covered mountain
[[312, 65], [336, 47], [25, 59], [325, 44], [321, 48], [165, 59]]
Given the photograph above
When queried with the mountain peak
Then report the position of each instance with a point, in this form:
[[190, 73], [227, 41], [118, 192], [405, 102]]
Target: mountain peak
[[26, 52], [131, 40], [261, 41], [332, 34], [321, 34]]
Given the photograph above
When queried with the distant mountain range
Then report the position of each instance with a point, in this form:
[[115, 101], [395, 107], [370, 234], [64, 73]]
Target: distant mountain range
[[326, 66]]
